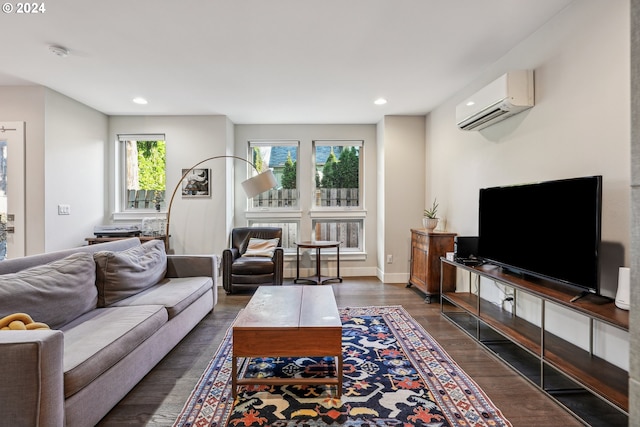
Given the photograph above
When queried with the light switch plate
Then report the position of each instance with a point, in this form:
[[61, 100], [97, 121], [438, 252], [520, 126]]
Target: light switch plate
[[64, 209]]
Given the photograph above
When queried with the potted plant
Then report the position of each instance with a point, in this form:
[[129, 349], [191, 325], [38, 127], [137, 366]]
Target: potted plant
[[430, 218]]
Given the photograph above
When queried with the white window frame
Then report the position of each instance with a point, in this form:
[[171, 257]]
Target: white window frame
[[264, 214], [122, 211], [329, 143], [339, 213], [272, 143], [272, 221], [306, 212]]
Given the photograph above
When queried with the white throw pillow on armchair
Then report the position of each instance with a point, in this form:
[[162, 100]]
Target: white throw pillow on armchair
[[261, 247]]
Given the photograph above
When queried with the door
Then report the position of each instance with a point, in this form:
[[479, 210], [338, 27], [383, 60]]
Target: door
[[12, 190]]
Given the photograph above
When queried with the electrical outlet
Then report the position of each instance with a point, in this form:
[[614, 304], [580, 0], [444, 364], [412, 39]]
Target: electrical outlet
[[389, 259], [64, 209]]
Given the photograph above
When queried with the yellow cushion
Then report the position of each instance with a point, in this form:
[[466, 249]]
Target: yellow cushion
[[20, 322]]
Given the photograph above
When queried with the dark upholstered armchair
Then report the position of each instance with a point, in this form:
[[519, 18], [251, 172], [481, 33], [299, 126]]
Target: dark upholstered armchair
[[239, 270]]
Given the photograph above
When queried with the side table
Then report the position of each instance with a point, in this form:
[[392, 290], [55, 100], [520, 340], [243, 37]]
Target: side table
[[318, 245]]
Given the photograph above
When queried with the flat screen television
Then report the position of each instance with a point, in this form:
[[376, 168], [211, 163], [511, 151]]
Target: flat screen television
[[546, 229]]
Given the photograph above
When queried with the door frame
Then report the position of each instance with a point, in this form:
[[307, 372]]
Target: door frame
[[14, 133]]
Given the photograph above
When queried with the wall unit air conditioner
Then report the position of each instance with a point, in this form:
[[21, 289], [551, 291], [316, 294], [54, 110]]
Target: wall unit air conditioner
[[506, 96]]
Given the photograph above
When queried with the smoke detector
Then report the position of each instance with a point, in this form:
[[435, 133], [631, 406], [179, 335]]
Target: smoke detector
[[59, 50]]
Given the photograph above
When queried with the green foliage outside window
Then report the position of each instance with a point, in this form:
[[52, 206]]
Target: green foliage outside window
[[257, 159], [289, 173], [329, 171], [341, 172], [347, 171], [151, 165]]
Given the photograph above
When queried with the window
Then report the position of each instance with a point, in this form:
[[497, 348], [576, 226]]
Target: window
[[289, 230], [326, 184], [347, 231], [143, 178], [282, 158], [337, 168], [338, 189], [278, 207]]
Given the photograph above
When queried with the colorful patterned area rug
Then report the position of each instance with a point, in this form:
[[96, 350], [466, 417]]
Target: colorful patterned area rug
[[394, 373]]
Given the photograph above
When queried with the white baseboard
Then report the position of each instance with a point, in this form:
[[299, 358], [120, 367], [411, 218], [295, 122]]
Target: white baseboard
[[392, 277]]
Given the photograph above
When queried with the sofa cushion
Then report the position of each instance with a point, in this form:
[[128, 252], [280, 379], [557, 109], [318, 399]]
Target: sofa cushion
[[98, 340], [54, 293], [122, 274], [14, 265], [174, 294]]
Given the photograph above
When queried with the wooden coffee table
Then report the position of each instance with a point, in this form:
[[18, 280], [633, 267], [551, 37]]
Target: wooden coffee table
[[288, 321]]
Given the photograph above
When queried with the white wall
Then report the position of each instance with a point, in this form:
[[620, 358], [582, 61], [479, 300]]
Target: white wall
[[402, 182], [381, 238], [74, 173], [26, 103], [579, 126], [229, 179], [64, 163], [198, 226], [306, 134]]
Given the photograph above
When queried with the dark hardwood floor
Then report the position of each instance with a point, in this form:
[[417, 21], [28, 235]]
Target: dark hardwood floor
[[159, 397]]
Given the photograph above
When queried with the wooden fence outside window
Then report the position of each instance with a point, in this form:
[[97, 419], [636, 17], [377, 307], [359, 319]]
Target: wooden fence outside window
[[282, 198]]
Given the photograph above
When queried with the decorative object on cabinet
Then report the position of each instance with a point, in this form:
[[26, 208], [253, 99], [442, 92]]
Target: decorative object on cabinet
[[430, 218], [593, 389], [253, 186], [153, 226], [430, 223], [426, 249]]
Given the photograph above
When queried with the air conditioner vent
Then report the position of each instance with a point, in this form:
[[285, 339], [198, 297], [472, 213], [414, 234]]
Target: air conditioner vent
[[506, 96]]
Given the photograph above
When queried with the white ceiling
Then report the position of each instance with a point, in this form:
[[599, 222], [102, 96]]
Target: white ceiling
[[264, 61]]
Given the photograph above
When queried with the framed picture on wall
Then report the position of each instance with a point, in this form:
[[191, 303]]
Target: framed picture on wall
[[196, 183]]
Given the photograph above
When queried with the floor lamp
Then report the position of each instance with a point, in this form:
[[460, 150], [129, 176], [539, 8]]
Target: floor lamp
[[252, 187]]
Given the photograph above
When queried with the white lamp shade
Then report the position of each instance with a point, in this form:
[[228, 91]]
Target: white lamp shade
[[259, 183]]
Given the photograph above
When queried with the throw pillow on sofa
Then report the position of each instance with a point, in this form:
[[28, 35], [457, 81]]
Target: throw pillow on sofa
[[54, 293], [122, 274]]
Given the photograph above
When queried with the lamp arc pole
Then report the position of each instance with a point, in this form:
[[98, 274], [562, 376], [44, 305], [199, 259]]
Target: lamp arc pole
[[184, 175]]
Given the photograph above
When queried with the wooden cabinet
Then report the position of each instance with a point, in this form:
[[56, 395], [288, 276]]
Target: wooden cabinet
[[425, 269], [593, 389]]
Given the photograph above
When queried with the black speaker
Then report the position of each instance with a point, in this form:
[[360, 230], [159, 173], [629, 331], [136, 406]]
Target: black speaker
[[465, 248]]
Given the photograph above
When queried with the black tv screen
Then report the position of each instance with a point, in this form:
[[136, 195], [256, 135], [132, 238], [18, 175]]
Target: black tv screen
[[547, 229]]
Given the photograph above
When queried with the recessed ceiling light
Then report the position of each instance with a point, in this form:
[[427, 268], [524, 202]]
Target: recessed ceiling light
[[470, 103], [380, 101], [141, 101], [59, 51]]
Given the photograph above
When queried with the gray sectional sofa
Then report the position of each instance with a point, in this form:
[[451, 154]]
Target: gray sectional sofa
[[114, 309]]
